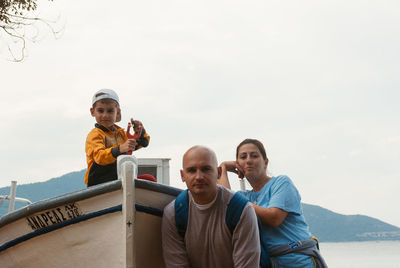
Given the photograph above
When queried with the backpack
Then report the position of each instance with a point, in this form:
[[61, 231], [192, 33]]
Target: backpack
[[233, 213]]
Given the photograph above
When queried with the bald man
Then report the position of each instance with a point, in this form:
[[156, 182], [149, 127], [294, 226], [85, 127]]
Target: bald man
[[207, 240]]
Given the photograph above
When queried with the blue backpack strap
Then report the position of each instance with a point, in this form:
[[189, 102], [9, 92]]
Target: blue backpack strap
[[233, 214], [182, 212], [234, 210]]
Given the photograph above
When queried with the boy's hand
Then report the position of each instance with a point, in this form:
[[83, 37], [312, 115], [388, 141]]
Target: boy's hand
[[127, 146], [137, 125]]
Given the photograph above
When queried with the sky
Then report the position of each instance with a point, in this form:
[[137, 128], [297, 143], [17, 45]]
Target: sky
[[316, 81]]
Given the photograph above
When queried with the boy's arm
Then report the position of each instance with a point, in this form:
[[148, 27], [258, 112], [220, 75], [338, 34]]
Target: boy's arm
[[96, 149], [143, 140]]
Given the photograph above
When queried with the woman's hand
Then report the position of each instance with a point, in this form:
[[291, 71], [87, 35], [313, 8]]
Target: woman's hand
[[232, 166], [224, 167]]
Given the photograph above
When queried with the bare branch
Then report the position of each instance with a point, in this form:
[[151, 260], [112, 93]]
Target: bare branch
[[20, 23], [22, 39]]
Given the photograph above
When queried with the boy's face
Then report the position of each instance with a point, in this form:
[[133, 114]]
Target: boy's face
[[105, 113]]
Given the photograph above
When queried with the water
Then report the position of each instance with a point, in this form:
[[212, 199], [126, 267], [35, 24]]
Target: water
[[375, 254]]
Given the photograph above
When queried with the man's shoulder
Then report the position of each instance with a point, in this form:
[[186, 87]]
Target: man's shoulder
[[169, 209], [225, 191]]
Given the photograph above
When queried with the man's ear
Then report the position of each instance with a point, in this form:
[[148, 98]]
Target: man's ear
[[182, 176], [92, 111], [219, 172]]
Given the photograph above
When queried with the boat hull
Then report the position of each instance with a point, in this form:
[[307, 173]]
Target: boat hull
[[86, 229]]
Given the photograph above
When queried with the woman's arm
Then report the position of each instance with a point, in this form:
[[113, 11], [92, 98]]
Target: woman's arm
[[223, 178], [229, 166], [270, 216]]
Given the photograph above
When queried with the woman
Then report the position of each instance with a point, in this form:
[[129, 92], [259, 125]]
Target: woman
[[277, 204]]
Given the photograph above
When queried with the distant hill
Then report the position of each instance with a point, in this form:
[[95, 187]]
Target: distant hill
[[328, 226], [42, 190]]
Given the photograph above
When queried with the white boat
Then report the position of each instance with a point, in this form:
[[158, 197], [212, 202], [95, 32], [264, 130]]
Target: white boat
[[115, 224]]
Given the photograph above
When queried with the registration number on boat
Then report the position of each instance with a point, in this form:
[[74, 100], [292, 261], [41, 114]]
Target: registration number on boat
[[53, 216]]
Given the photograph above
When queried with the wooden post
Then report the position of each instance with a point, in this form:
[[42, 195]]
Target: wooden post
[[127, 172], [13, 190], [242, 185]]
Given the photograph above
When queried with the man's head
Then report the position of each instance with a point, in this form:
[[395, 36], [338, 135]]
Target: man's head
[[200, 173], [105, 107]]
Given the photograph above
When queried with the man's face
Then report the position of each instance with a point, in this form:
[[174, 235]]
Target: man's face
[[200, 173]]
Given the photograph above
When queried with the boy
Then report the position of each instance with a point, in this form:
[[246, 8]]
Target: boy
[[107, 140]]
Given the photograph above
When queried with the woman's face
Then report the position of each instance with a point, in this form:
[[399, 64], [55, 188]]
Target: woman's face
[[251, 161]]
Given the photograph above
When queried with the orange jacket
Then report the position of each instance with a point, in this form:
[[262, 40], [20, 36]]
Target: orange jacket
[[102, 150]]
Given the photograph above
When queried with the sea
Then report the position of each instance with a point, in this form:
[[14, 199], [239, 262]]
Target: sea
[[371, 254]]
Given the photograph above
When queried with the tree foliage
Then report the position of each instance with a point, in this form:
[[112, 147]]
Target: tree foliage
[[19, 22], [11, 9]]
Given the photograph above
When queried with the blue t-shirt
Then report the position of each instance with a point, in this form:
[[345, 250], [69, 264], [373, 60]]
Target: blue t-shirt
[[280, 192]]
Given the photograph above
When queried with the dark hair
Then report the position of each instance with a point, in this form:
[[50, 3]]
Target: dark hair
[[257, 143]]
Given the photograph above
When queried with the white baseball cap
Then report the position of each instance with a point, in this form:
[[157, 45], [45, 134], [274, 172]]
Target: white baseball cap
[[105, 94]]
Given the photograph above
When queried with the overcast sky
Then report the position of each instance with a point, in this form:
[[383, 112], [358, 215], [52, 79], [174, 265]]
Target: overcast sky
[[316, 81]]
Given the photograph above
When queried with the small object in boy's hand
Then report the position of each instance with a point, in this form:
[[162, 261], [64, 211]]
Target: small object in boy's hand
[[137, 128]]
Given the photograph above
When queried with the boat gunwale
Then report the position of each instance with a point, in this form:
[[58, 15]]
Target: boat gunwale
[[81, 195]]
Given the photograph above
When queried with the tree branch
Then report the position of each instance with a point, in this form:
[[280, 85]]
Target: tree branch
[[20, 25]]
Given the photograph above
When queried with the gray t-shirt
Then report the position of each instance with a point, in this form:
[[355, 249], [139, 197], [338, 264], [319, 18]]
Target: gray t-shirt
[[208, 241]]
